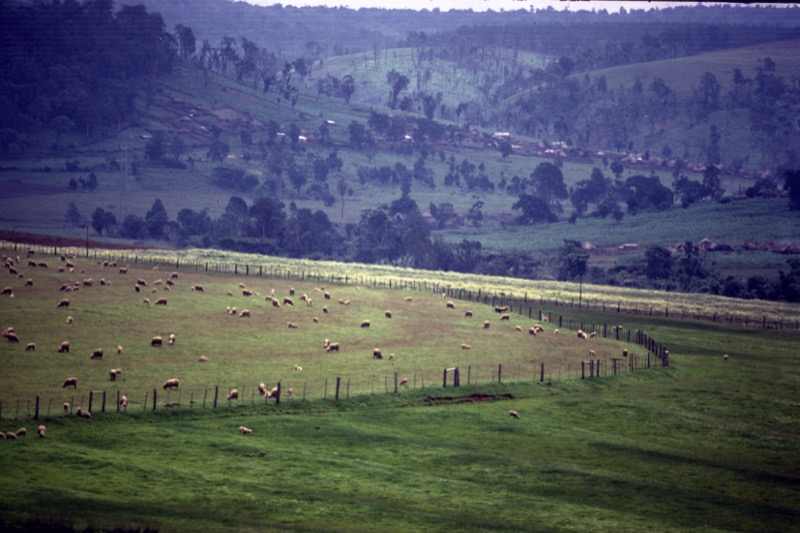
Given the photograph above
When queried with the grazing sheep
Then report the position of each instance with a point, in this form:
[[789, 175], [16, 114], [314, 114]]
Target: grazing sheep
[[725, 357], [309, 302], [7, 291], [468, 313], [198, 288], [325, 310], [63, 303], [404, 382], [513, 414], [245, 431], [291, 325], [97, 354], [66, 407], [581, 334], [22, 432], [592, 353], [327, 295], [555, 331], [518, 328], [113, 373], [172, 383], [500, 309], [408, 299], [174, 275], [262, 389], [137, 288], [141, 282], [624, 352], [202, 359], [376, 353], [388, 314], [123, 402], [170, 283], [83, 413], [288, 392], [450, 304], [70, 320], [12, 337], [245, 313], [8, 331], [273, 392], [119, 349], [88, 282], [486, 324], [288, 301], [146, 301], [30, 347], [532, 331], [333, 347], [326, 343], [505, 317], [538, 328], [156, 342], [161, 301], [41, 431], [298, 368], [171, 340], [123, 270], [233, 395], [391, 357], [103, 282], [275, 301], [465, 346], [11, 435], [29, 282], [315, 320], [247, 292], [64, 347], [365, 323]]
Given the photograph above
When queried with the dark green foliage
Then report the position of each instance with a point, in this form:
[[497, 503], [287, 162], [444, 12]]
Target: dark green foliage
[[534, 210], [234, 179]]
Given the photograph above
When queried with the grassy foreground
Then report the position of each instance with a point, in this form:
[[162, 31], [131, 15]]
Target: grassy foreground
[[706, 445]]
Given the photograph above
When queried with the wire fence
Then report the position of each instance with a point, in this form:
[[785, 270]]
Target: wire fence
[[521, 304], [338, 388]]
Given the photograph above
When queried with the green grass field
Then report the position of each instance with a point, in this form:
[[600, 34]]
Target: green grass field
[[704, 445]]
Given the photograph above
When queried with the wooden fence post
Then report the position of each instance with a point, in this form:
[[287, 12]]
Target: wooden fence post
[[338, 383], [216, 395], [500, 373], [444, 379], [36, 410], [456, 377]]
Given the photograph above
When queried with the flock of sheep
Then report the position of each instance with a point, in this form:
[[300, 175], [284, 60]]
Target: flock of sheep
[[323, 308]]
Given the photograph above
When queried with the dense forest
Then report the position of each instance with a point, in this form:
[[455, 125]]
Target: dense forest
[[97, 67]]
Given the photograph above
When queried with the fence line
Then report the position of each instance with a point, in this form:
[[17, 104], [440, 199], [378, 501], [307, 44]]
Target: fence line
[[340, 388], [138, 257]]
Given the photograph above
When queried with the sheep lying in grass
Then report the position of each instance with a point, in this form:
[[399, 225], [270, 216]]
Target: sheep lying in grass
[[172, 383], [513, 414], [291, 325], [517, 328], [83, 413], [70, 382], [725, 357], [365, 323], [41, 431], [466, 346], [70, 319], [245, 431], [298, 368], [202, 359]]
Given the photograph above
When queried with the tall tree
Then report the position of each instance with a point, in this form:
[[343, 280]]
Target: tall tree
[[549, 184]]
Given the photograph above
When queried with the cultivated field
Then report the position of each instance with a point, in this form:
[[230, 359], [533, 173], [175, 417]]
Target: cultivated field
[[705, 444]]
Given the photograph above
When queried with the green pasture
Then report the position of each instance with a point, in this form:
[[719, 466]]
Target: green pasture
[[704, 445]]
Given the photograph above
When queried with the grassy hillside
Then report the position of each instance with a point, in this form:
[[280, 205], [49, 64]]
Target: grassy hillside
[[705, 444]]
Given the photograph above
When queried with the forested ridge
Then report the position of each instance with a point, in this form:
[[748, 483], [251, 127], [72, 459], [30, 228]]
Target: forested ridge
[[554, 86]]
